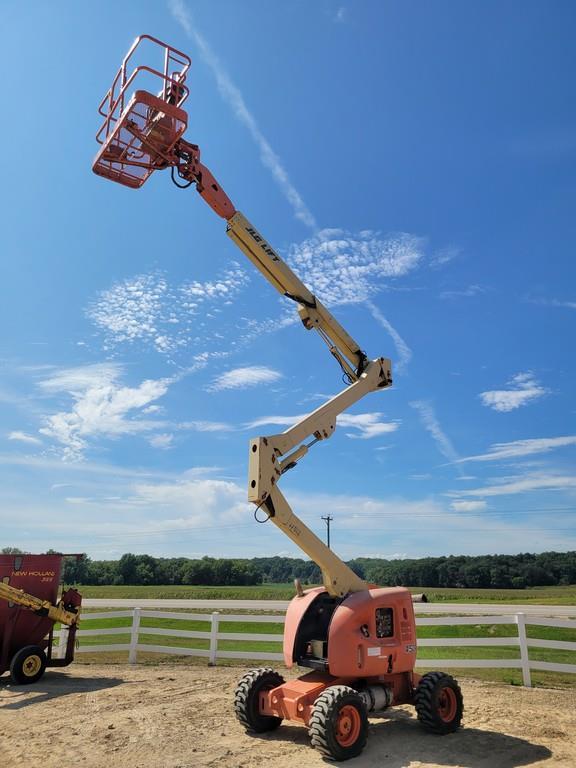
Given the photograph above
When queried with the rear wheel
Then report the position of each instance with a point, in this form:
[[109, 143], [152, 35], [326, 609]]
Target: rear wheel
[[247, 699], [439, 704], [338, 724], [28, 665]]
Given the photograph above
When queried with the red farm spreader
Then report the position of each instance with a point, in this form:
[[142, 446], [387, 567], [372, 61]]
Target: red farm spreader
[[29, 608]]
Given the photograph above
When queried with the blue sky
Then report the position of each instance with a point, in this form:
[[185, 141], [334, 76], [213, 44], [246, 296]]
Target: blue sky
[[413, 162]]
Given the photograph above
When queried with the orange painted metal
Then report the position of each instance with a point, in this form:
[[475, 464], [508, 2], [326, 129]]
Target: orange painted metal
[[169, 76], [142, 131], [296, 610], [140, 128], [355, 648], [293, 700], [368, 638], [348, 726], [141, 141], [447, 704]]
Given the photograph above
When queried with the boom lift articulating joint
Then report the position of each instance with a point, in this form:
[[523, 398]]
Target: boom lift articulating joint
[[358, 640]]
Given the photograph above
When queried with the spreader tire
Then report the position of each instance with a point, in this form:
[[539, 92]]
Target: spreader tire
[[28, 665], [439, 704], [246, 700], [338, 724]]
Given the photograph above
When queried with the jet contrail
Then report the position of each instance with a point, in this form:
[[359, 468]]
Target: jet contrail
[[233, 96], [404, 351]]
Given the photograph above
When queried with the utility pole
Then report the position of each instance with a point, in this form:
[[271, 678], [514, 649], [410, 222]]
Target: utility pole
[[327, 519]]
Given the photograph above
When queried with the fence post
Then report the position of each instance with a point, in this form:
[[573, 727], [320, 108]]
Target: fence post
[[214, 638], [524, 658], [134, 636], [62, 640]]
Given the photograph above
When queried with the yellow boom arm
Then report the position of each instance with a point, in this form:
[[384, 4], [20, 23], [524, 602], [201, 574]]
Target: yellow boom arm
[[272, 456]]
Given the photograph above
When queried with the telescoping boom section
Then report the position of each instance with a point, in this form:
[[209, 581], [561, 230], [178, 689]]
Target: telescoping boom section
[[143, 132]]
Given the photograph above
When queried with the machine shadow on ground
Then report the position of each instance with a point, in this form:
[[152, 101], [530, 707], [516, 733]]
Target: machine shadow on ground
[[398, 740], [54, 685]]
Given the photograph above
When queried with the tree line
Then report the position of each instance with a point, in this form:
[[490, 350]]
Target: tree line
[[485, 571], [489, 571]]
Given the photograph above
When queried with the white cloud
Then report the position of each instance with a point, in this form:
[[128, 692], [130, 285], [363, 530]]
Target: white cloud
[[443, 257], [523, 484], [432, 425], [163, 441], [281, 421], [468, 506], [516, 448], [233, 97], [146, 308], [241, 378], [195, 502], [205, 426], [422, 527], [81, 378], [152, 409], [384, 555], [23, 437], [345, 268], [340, 15], [472, 290], [368, 425], [185, 514], [554, 303], [524, 388], [101, 406]]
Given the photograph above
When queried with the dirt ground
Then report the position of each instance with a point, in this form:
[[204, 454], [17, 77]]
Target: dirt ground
[[182, 717]]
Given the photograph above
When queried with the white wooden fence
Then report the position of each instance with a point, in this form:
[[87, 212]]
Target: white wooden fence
[[519, 640]]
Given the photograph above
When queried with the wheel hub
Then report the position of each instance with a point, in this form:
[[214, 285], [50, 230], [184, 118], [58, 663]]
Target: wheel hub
[[32, 666], [447, 704], [348, 726]]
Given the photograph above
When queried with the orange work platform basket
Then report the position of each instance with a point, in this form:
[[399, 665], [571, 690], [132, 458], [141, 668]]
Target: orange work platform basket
[[142, 114]]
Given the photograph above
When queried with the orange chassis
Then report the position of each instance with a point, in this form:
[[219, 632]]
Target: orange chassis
[[294, 699]]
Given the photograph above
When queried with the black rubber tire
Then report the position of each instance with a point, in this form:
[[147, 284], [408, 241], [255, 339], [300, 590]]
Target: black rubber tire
[[28, 665], [439, 704], [323, 724], [246, 699]]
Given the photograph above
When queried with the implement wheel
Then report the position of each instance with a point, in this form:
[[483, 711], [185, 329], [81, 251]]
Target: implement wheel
[[28, 665], [439, 704], [247, 699], [338, 725]]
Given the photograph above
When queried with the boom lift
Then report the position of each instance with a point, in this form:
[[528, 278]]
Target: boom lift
[[358, 640]]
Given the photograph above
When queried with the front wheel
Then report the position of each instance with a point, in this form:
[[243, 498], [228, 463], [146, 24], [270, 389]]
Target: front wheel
[[247, 699], [28, 665], [439, 703], [338, 724]]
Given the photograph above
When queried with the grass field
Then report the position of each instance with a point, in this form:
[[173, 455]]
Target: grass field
[[535, 595], [548, 595]]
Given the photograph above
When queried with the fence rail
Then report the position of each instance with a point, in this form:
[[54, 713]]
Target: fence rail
[[214, 635]]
